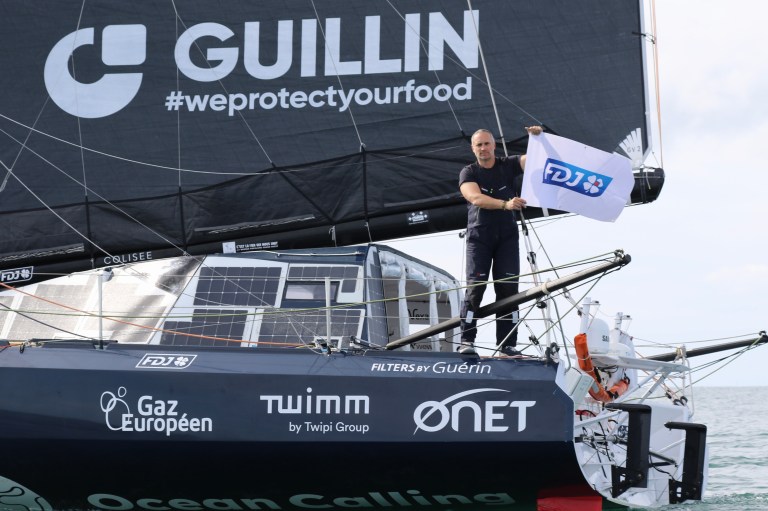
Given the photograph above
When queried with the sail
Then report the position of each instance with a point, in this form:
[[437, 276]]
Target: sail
[[141, 130]]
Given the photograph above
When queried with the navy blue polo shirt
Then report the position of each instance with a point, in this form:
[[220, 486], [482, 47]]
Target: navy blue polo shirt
[[497, 182]]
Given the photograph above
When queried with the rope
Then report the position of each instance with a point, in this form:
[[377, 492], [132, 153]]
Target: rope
[[338, 76], [488, 79]]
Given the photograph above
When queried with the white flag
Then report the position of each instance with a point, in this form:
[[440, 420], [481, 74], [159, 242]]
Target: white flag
[[570, 176]]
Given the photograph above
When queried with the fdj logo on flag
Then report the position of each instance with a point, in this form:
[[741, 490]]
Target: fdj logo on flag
[[577, 179]]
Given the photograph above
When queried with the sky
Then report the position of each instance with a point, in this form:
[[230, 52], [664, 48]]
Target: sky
[[699, 267]]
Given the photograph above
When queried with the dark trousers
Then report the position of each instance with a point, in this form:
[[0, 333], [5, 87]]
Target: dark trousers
[[499, 250]]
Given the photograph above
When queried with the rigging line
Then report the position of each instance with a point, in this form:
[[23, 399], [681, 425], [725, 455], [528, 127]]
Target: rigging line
[[727, 360], [459, 64], [338, 76], [89, 231], [281, 170], [143, 327], [77, 118], [40, 322], [656, 80], [595, 280], [424, 47], [488, 78], [558, 322], [72, 227], [178, 110], [40, 113], [493, 92], [543, 249], [23, 145], [287, 314], [221, 84], [200, 260], [266, 305], [85, 237], [676, 343]]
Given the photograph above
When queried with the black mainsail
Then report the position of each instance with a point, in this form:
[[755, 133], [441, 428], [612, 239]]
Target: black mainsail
[[146, 130]]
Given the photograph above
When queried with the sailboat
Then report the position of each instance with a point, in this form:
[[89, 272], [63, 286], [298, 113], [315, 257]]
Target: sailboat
[[198, 311]]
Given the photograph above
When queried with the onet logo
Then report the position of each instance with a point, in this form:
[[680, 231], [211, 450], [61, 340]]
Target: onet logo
[[490, 417], [576, 179], [121, 45]]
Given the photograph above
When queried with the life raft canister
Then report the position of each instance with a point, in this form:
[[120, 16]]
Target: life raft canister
[[597, 390]]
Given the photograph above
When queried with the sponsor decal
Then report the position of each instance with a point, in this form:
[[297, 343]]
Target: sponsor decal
[[340, 99], [320, 405], [414, 314], [14, 496], [436, 367], [152, 415], [428, 40], [121, 45], [576, 179], [369, 500], [128, 258], [17, 274], [249, 247], [419, 217], [165, 361], [317, 404], [489, 417]]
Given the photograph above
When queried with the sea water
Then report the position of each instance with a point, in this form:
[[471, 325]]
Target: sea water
[[737, 437]]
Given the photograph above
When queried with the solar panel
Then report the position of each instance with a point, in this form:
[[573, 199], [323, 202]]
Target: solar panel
[[303, 328], [208, 327], [237, 286]]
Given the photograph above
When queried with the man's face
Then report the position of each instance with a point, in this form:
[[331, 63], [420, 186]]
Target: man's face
[[483, 146]]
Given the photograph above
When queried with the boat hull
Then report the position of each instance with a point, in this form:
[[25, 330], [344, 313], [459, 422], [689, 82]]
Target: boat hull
[[144, 427]]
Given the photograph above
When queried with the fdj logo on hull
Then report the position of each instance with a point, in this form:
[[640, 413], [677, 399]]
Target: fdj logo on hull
[[576, 179]]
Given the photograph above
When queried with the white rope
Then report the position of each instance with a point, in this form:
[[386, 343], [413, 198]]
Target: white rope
[[488, 79]]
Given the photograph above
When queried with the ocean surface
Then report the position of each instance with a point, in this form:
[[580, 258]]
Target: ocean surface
[[737, 436]]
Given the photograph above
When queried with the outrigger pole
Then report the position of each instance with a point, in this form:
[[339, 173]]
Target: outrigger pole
[[502, 306], [672, 356]]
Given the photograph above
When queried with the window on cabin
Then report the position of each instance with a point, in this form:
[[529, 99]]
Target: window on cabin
[[309, 290]]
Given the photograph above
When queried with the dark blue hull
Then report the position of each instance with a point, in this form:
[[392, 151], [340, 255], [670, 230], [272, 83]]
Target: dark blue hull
[[146, 428]]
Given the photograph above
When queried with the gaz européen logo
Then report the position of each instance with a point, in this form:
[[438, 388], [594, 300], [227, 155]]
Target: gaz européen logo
[[576, 179], [151, 415]]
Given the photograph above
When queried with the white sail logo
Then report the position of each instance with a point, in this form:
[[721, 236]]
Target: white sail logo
[[486, 418], [319, 54], [121, 45]]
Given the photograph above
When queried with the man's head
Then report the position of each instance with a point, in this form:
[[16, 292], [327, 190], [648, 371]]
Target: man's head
[[484, 147]]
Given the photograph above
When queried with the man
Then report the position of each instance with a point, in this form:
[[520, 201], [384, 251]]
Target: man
[[492, 237]]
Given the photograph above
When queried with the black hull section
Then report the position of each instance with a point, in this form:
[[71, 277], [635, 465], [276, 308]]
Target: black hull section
[[127, 475], [128, 428]]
